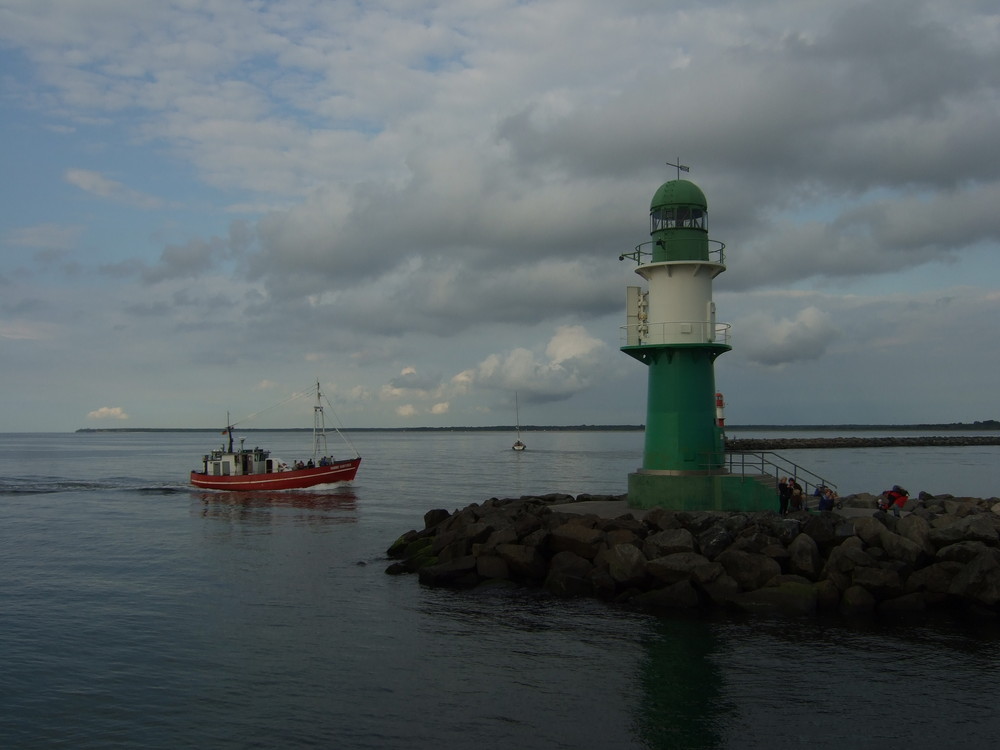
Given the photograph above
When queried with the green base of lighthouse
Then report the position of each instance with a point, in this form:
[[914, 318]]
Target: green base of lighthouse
[[681, 430], [728, 492]]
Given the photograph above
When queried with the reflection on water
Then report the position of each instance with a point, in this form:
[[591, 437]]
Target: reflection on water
[[336, 506], [682, 702]]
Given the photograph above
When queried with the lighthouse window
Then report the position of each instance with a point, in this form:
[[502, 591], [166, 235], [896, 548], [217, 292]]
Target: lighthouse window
[[677, 217], [662, 218]]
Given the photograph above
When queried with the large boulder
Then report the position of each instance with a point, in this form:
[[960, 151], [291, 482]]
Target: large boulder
[[714, 540], [960, 506], [626, 564], [900, 548], [433, 517], [700, 521], [935, 578], [523, 561], [662, 519], [720, 590], [492, 567], [962, 552], [622, 536], [398, 548], [668, 542], [804, 558], [917, 530], [505, 534], [784, 529], [979, 580], [683, 566], [577, 538], [569, 575], [842, 561], [750, 570], [972, 528], [870, 531], [879, 582], [823, 528], [459, 572], [462, 534]]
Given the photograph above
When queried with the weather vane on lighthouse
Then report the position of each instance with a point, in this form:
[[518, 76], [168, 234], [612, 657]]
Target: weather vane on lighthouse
[[680, 167]]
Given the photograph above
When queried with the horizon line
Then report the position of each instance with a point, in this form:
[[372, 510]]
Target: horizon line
[[989, 424]]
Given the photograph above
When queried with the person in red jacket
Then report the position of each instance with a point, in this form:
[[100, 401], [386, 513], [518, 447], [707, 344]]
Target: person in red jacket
[[895, 499]]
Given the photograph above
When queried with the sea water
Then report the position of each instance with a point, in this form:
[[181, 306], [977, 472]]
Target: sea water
[[136, 611]]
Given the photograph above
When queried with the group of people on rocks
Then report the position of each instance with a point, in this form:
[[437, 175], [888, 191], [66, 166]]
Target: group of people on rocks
[[791, 498]]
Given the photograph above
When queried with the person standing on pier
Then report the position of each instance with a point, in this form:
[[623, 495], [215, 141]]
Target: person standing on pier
[[784, 493]]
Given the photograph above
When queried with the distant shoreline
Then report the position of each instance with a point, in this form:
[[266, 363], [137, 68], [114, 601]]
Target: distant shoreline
[[991, 424]]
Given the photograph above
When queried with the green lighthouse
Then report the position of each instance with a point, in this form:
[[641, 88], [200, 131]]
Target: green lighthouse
[[671, 328]]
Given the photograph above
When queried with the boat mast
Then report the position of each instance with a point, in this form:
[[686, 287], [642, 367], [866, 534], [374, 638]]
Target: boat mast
[[517, 418], [518, 445], [319, 427]]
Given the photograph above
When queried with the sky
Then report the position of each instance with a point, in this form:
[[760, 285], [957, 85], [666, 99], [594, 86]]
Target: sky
[[208, 205]]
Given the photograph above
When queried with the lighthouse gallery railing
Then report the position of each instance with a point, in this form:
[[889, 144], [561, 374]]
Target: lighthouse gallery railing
[[674, 332], [716, 252]]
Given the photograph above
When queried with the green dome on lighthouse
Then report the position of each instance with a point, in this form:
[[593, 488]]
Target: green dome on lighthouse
[[677, 222], [678, 192]]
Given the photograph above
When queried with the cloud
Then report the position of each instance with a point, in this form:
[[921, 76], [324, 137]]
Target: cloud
[[777, 342], [108, 412], [46, 236], [409, 380], [572, 361], [99, 185], [20, 330]]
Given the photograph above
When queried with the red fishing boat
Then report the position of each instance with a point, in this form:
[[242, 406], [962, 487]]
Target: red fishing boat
[[255, 469]]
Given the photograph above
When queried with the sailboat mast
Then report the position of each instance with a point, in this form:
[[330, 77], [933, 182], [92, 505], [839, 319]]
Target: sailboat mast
[[518, 445]]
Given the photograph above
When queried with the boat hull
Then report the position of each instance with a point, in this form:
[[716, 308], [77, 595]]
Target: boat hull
[[296, 479]]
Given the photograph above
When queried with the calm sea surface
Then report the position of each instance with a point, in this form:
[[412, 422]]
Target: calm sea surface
[[136, 612]]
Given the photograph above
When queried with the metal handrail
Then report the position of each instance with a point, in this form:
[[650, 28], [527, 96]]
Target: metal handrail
[[769, 464], [716, 252], [673, 332]]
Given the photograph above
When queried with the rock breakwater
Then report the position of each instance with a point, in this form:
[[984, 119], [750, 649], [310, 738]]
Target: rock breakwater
[[944, 553], [772, 444]]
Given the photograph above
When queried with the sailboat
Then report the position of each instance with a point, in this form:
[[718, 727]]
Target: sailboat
[[518, 445], [254, 469]]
